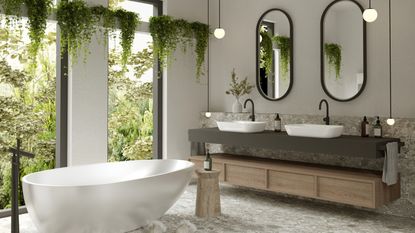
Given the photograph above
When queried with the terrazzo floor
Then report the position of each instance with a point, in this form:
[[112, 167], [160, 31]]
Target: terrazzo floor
[[250, 211]]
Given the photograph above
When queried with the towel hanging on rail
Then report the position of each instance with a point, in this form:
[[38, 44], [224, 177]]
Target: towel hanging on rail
[[390, 165]]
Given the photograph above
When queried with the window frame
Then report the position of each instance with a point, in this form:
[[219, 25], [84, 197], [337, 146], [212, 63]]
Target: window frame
[[157, 86]]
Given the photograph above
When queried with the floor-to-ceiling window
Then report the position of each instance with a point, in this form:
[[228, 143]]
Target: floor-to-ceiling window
[[27, 101], [133, 91]]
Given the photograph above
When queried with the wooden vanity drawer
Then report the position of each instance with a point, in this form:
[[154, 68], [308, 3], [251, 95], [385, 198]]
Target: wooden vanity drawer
[[353, 187], [220, 167], [292, 183], [352, 192], [245, 176]]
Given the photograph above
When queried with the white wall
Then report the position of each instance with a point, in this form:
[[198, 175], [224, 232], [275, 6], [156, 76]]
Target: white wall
[[184, 98], [87, 117], [237, 50]]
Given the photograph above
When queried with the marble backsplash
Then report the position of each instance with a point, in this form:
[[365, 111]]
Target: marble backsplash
[[403, 129]]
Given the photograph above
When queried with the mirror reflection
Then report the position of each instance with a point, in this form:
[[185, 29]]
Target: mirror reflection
[[343, 50], [274, 64]]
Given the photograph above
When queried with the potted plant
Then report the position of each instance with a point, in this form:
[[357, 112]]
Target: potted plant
[[238, 89]]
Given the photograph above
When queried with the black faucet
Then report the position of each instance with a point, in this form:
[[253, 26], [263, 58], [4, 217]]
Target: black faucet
[[327, 118], [252, 116], [17, 153]]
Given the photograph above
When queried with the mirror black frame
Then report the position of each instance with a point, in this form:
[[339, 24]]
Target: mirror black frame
[[257, 36], [323, 84]]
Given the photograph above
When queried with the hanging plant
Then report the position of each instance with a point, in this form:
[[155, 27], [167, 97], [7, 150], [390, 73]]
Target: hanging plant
[[266, 54], [37, 11], [334, 57], [77, 25], [128, 23], [11, 7], [283, 44], [107, 17], [165, 37], [168, 32], [201, 34]]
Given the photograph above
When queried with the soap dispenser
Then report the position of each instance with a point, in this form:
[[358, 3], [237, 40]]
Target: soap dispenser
[[364, 127], [377, 129], [277, 123]]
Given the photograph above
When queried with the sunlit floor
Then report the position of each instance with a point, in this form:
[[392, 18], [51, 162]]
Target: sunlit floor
[[251, 211]]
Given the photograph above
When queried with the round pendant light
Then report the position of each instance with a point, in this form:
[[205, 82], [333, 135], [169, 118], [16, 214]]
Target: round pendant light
[[370, 15], [390, 121], [219, 31]]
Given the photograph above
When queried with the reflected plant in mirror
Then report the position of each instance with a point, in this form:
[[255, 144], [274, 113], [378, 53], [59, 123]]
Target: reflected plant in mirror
[[274, 54], [343, 50], [334, 57]]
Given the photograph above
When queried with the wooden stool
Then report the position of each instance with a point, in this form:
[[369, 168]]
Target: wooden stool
[[208, 194]]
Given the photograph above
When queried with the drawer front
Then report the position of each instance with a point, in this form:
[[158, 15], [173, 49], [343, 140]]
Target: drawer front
[[298, 184], [245, 176], [219, 167], [346, 191]]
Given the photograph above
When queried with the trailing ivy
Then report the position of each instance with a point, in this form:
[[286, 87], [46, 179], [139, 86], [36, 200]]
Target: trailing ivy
[[267, 43], [107, 16], [201, 34], [128, 23], [37, 11], [334, 57], [283, 44], [165, 37], [167, 33], [266, 54], [77, 24], [11, 7]]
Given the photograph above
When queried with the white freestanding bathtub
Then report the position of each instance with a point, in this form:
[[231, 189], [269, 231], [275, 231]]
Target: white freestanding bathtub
[[106, 197]]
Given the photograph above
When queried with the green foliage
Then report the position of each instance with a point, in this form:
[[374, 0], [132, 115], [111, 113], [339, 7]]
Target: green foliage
[[106, 15], [128, 22], [266, 52], [201, 34], [167, 33], [237, 88], [284, 45], [130, 119], [28, 111], [76, 22], [165, 37], [334, 57], [11, 7], [37, 11]]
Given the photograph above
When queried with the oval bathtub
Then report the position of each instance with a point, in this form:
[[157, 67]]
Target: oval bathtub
[[106, 197]]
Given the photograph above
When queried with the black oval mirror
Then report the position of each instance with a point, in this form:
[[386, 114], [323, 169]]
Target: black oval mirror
[[343, 50], [274, 54]]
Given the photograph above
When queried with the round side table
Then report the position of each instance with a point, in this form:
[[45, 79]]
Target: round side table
[[208, 193]]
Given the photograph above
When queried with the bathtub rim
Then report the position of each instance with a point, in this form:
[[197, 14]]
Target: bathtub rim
[[188, 166]]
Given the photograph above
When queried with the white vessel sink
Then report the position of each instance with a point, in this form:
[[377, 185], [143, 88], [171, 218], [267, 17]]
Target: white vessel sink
[[314, 131], [242, 126]]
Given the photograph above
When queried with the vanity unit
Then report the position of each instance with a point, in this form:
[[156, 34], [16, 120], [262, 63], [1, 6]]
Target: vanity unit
[[356, 187]]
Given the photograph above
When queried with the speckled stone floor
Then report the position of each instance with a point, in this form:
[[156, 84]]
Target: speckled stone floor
[[250, 211]]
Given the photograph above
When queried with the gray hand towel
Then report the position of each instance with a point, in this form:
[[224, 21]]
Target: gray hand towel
[[390, 165]]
